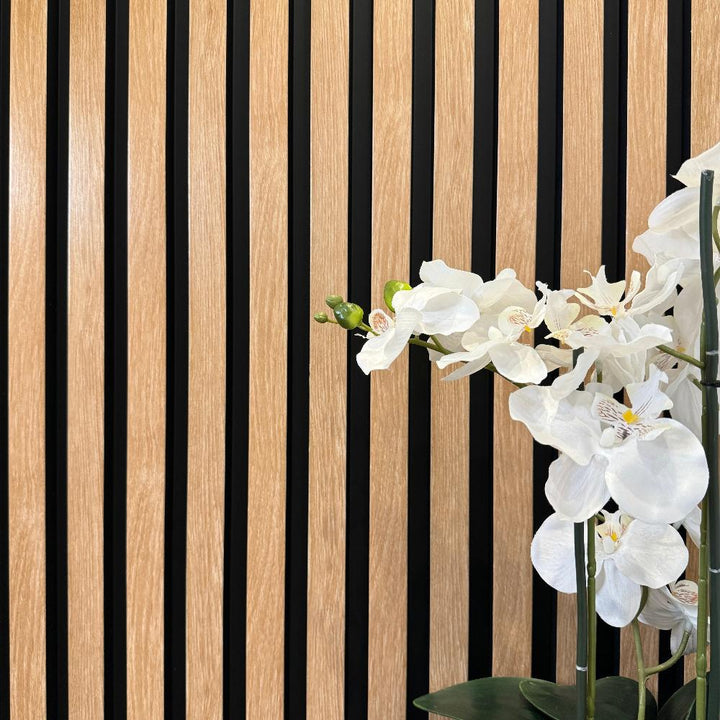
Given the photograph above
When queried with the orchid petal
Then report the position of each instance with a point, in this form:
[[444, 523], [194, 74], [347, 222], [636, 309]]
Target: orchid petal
[[518, 363], [379, 351], [577, 491], [617, 598], [552, 552]]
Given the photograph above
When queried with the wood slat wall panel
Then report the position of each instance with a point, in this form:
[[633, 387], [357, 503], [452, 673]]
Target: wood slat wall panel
[[146, 359], [515, 248], [207, 353], [269, 28], [581, 217], [646, 179], [704, 132], [392, 101], [26, 358], [85, 389], [450, 455], [329, 89]]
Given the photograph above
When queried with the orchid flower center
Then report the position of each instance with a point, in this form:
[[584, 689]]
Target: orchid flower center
[[630, 417]]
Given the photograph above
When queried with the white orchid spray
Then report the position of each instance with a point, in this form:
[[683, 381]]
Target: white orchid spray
[[632, 413]]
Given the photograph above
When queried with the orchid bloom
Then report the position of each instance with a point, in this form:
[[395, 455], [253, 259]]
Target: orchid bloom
[[423, 309], [653, 467], [629, 554], [674, 608]]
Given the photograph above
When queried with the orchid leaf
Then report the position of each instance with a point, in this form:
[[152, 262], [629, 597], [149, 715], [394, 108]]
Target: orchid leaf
[[681, 706], [494, 698], [615, 699]]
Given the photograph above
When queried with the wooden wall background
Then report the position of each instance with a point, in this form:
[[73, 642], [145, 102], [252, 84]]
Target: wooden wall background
[[206, 510]]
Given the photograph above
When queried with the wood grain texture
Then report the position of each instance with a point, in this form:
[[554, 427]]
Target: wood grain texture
[[705, 63], [581, 212], [645, 178], [329, 90], [206, 385], [85, 380], [268, 350], [26, 359], [646, 119], [146, 358], [392, 122], [515, 248], [452, 241]]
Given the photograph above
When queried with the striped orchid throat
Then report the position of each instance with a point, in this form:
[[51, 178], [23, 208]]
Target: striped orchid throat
[[642, 419]]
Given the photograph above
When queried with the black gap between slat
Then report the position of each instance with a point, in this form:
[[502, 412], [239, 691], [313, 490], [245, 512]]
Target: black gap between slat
[[677, 150], [613, 215], [56, 267], [547, 269], [298, 359], [4, 516], [115, 431], [238, 310], [482, 384], [358, 385], [176, 191], [419, 433]]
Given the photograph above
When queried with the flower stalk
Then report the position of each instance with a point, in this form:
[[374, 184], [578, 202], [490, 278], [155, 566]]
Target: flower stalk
[[710, 528], [592, 619], [581, 665]]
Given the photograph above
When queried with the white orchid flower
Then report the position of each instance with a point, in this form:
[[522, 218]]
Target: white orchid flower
[[674, 608], [500, 345], [618, 299], [654, 468], [561, 317], [629, 554], [421, 310]]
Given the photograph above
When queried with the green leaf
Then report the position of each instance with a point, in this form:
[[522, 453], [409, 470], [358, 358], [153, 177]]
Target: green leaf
[[615, 699], [681, 706], [495, 698]]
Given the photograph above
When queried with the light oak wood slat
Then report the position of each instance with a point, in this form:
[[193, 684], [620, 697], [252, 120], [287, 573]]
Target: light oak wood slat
[[581, 211], [146, 358], [268, 347], [704, 133], [392, 99], [329, 90], [85, 391], [26, 359], [646, 178], [452, 241], [206, 386], [515, 247]]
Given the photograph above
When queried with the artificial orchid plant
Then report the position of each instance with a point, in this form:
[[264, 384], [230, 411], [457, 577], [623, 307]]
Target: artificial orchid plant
[[633, 415]]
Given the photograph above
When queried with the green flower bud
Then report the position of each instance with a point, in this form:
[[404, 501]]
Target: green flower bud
[[333, 300], [348, 315], [320, 317], [391, 287]]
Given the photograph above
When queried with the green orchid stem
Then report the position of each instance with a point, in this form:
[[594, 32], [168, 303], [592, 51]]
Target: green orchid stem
[[642, 673], [440, 346], [581, 665], [592, 619], [429, 346], [366, 328], [671, 660], [710, 525], [681, 356]]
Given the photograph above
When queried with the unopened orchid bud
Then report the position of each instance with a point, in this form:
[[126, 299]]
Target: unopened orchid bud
[[332, 300], [391, 287], [320, 317], [348, 315]]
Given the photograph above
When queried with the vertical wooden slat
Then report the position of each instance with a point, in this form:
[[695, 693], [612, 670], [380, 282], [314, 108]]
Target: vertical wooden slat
[[206, 386], [515, 247], [646, 178], [704, 132], [581, 208], [26, 358], [268, 367], [146, 358], [392, 100], [452, 230], [329, 88], [85, 395]]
